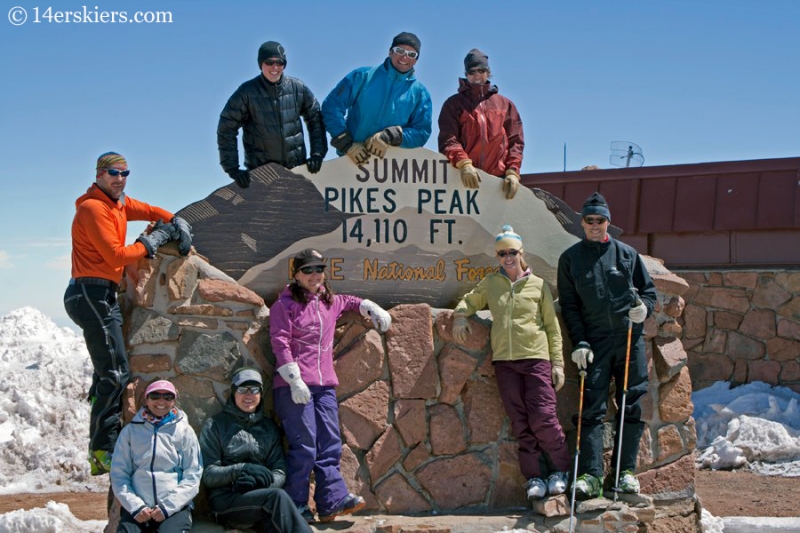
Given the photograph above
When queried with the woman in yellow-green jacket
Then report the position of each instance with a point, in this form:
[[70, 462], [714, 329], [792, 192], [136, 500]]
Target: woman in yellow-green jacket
[[529, 365]]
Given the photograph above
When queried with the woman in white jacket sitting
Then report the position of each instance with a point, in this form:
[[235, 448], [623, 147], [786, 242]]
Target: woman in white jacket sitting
[[156, 466]]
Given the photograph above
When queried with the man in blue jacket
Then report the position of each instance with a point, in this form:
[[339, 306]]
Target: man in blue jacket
[[604, 289], [374, 108]]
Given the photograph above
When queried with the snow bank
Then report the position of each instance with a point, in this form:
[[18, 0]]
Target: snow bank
[[755, 424], [54, 518], [44, 415]]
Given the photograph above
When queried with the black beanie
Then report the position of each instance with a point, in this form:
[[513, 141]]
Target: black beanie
[[476, 58], [596, 205], [407, 38], [271, 49]]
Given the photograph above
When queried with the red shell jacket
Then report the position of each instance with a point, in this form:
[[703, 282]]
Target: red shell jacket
[[478, 123], [99, 230]]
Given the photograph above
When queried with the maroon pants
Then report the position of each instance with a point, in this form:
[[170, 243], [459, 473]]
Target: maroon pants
[[526, 389]]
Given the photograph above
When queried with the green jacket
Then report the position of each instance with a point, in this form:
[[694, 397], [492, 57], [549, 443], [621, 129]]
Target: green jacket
[[524, 321]]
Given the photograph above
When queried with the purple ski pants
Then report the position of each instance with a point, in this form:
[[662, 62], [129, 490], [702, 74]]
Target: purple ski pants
[[529, 399]]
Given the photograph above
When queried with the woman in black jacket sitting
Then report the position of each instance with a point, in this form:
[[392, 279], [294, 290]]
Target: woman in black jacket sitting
[[244, 463]]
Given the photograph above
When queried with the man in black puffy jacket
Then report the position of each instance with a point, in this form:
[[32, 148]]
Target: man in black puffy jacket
[[268, 109]]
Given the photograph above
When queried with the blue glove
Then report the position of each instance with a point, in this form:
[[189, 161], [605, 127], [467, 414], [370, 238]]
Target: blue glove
[[183, 234]]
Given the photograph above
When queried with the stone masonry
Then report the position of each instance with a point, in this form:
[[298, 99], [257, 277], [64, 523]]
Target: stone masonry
[[742, 326], [423, 427]]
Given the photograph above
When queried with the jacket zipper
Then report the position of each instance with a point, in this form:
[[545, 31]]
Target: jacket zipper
[[319, 343], [152, 462]]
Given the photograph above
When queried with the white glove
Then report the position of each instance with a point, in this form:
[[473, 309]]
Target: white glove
[[290, 372], [461, 328], [638, 314], [380, 318], [582, 355], [557, 373]]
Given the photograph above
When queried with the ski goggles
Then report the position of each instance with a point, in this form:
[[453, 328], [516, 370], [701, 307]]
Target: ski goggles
[[249, 390], [403, 52]]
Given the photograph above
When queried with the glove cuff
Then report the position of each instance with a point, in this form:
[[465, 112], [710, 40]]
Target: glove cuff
[[342, 142], [366, 307], [150, 252], [290, 372], [583, 345], [512, 172], [464, 162]]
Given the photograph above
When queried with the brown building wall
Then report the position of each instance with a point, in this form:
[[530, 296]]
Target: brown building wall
[[729, 214]]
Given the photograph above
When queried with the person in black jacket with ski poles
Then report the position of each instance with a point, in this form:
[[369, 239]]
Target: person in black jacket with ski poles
[[604, 289], [268, 109]]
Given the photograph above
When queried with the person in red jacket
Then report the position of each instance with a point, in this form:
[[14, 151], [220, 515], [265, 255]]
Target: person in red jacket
[[99, 255], [479, 128]]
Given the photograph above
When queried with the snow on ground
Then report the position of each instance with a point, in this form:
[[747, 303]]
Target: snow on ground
[[44, 424], [44, 415], [55, 518], [754, 424]]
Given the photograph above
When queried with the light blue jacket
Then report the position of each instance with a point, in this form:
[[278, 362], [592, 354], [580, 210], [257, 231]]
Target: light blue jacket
[[156, 465], [370, 99]]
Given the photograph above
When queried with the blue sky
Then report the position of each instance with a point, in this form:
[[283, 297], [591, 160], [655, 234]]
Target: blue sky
[[689, 81]]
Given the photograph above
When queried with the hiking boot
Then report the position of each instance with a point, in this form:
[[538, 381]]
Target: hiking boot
[[535, 488], [351, 504], [100, 462], [628, 484], [557, 483], [306, 513], [587, 487]]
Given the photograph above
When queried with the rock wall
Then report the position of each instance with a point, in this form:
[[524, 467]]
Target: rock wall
[[742, 326], [421, 417]]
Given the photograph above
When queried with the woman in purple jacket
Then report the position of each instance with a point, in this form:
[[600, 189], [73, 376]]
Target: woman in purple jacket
[[302, 323]]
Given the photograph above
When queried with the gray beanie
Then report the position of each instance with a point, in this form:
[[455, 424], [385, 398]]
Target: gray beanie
[[476, 58], [408, 39]]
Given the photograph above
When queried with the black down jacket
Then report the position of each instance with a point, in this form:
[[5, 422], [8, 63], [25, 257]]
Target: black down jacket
[[231, 439], [269, 114]]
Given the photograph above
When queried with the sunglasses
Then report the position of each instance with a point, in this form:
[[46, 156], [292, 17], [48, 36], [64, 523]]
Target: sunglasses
[[592, 220], [113, 172], [403, 52], [159, 395], [313, 270], [512, 253], [273, 62], [249, 390], [479, 70]]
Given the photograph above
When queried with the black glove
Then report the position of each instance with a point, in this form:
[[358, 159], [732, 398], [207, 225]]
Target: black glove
[[342, 142], [314, 163], [241, 177], [183, 234], [261, 474], [160, 234], [393, 135], [244, 483]]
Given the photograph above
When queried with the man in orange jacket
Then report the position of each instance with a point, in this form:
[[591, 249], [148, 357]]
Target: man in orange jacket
[[99, 255]]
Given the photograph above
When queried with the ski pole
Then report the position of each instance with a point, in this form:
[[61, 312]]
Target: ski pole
[[577, 453], [616, 490]]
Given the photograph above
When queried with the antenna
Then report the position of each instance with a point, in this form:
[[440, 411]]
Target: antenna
[[626, 154]]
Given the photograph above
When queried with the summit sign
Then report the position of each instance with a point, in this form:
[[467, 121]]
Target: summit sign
[[401, 229]]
